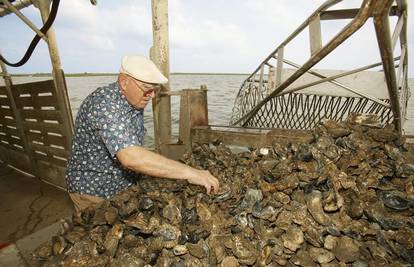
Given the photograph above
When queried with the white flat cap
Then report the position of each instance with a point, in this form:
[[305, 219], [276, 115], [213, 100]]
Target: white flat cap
[[143, 69]]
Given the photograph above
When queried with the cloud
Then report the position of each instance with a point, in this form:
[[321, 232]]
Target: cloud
[[205, 42], [218, 36], [99, 27]]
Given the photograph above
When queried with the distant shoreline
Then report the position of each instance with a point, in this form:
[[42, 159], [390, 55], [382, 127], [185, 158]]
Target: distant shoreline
[[114, 74]]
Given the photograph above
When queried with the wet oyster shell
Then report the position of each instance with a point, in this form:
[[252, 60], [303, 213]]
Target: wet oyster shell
[[341, 198]]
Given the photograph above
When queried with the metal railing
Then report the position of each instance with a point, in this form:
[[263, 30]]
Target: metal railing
[[267, 99]]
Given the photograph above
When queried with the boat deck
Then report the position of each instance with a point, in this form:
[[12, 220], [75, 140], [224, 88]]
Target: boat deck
[[28, 205]]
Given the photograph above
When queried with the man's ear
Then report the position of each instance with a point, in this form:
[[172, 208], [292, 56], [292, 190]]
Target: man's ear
[[123, 81]]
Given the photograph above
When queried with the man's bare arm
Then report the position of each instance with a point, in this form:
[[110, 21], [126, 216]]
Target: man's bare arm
[[144, 161]]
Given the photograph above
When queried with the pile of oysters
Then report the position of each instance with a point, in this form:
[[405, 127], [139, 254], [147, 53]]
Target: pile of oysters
[[345, 197]]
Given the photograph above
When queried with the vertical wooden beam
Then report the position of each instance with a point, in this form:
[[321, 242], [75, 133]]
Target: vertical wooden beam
[[19, 121], [402, 6], [279, 68], [397, 31], [6, 76], [159, 53], [315, 35], [382, 29], [271, 80], [401, 64], [184, 126], [405, 96], [193, 112], [58, 75], [261, 81]]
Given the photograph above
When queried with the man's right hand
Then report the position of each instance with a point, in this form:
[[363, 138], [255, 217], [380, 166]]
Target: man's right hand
[[141, 160], [204, 178]]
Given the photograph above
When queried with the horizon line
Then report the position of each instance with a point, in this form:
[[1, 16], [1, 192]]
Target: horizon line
[[74, 74]]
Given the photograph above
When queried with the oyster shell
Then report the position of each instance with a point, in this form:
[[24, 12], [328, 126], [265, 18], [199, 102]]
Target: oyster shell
[[344, 197], [111, 215], [346, 249], [293, 238], [141, 222], [112, 239]]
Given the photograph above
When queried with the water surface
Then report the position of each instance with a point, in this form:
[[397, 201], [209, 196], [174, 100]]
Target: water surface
[[222, 90]]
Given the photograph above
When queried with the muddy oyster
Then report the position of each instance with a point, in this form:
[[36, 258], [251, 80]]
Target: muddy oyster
[[112, 239], [343, 197], [141, 222]]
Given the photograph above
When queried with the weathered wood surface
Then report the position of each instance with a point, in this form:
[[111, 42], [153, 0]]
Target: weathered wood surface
[[6, 112], [193, 112], [315, 34], [159, 54], [37, 102], [17, 159], [47, 139], [43, 127], [12, 139], [40, 136], [40, 87], [42, 115], [349, 13], [246, 137], [280, 55]]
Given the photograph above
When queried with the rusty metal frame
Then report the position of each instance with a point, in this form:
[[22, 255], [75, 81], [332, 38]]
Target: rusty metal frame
[[364, 13], [382, 28], [380, 11], [332, 79]]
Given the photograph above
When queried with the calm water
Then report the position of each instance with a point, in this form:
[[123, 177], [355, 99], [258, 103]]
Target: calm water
[[222, 90], [220, 98]]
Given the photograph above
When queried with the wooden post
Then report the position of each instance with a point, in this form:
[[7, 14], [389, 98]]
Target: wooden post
[[401, 64], [19, 122], [259, 93], [193, 112], [397, 31], [402, 5], [58, 75], [279, 67], [315, 36], [159, 54], [382, 29], [271, 80]]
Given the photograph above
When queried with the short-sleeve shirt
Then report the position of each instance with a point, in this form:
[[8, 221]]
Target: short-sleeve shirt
[[105, 124]]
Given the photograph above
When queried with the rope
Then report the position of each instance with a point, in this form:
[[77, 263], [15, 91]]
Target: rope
[[36, 39]]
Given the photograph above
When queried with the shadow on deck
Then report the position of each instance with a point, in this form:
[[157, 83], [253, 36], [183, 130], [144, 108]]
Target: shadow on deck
[[28, 205]]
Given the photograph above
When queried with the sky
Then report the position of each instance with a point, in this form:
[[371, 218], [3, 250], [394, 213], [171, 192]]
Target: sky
[[231, 36]]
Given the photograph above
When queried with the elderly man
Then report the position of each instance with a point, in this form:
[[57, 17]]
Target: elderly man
[[107, 154]]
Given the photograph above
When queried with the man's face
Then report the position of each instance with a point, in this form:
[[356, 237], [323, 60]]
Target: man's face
[[138, 93]]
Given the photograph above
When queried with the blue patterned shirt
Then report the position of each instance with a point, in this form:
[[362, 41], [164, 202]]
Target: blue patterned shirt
[[105, 124]]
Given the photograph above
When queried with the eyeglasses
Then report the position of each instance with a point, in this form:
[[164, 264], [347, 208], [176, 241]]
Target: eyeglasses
[[146, 88]]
